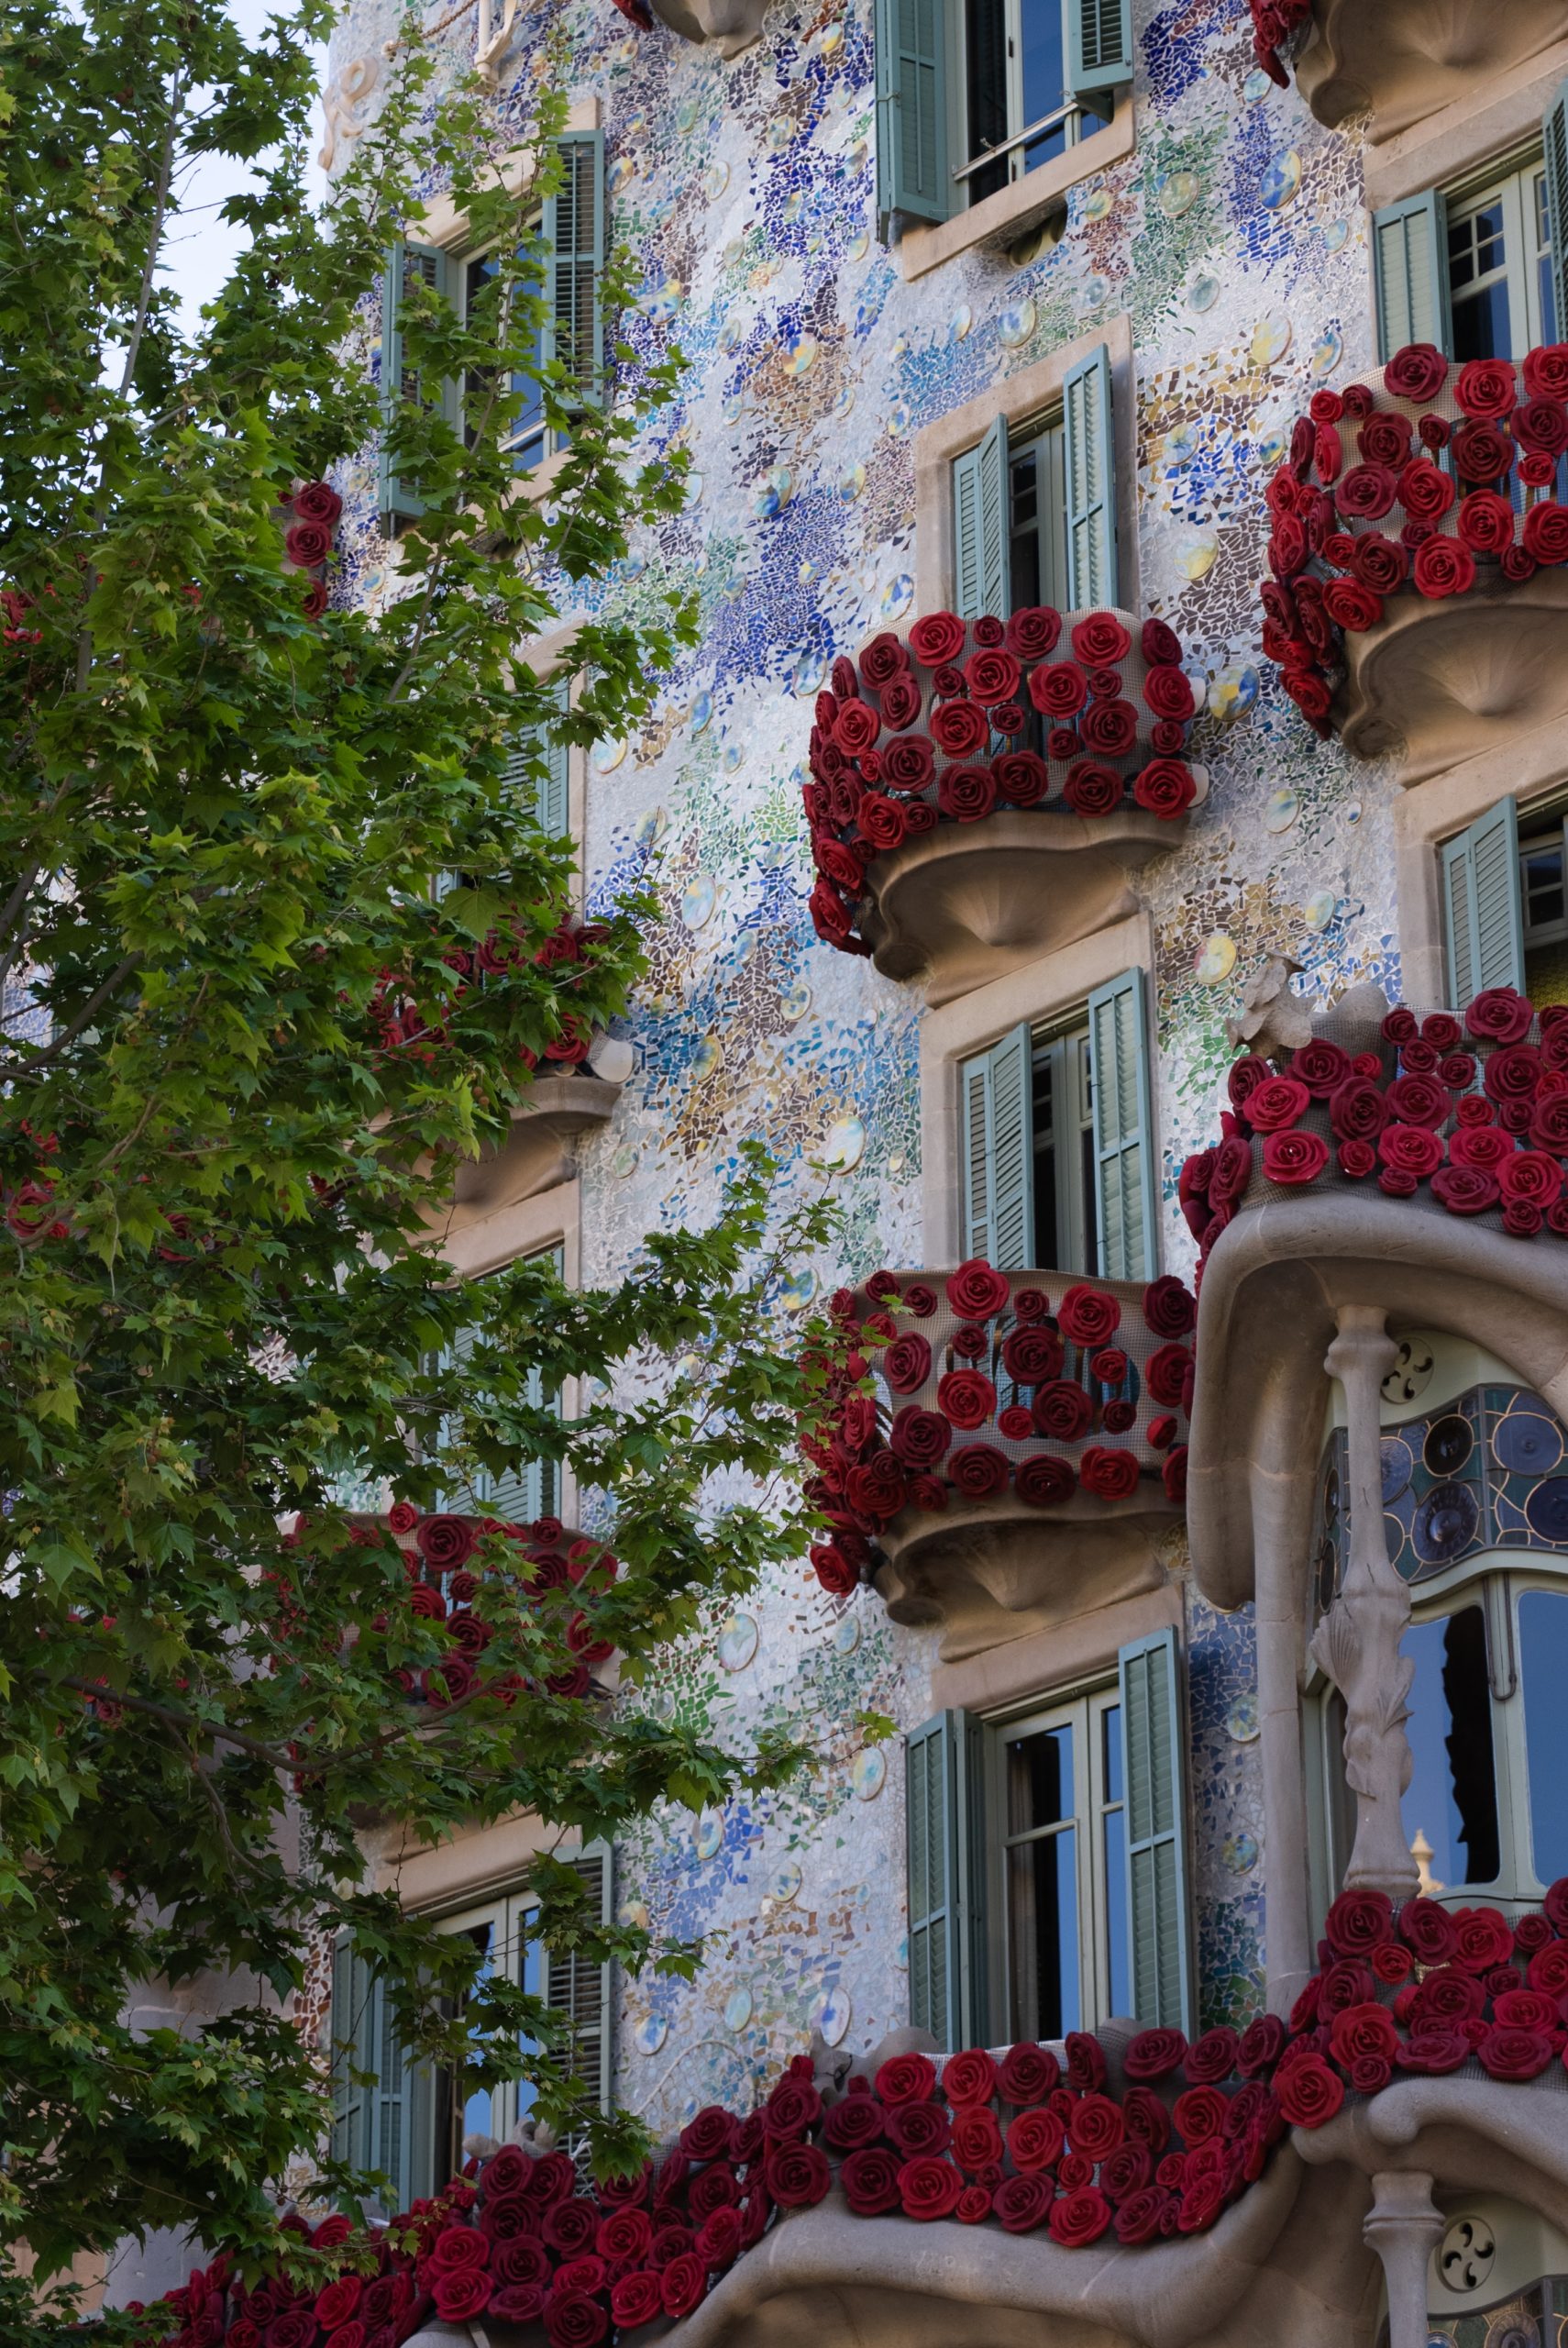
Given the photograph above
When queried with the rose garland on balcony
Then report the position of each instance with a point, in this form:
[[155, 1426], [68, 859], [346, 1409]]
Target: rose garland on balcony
[[1425, 479], [1274, 22], [405, 1025], [1090, 1367], [1475, 1109], [312, 511], [936, 730], [1421, 1992]]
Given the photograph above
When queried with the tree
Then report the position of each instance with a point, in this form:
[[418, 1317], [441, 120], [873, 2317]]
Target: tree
[[280, 942]]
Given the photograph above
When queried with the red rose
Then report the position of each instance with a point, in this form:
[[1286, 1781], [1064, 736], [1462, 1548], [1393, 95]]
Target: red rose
[[1166, 788], [1214, 2057], [960, 728], [919, 1437], [1034, 2141], [1426, 492], [1512, 2053], [1418, 372], [1167, 691], [1321, 1066], [1063, 1411], [937, 638], [1417, 1099], [976, 1291], [1021, 2203], [1029, 2073], [1545, 533], [1109, 1475], [900, 701], [1276, 1102], [1292, 1158], [1095, 2126], [883, 821], [992, 677], [918, 2128], [1548, 1969], [976, 2138], [635, 2299], [1350, 604], [1359, 1921], [1367, 492], [929, 2187], [856, 727], [1357, 1159], [908, 764], [1108, 728], [1091, 789], [1078, 2218], [447, 1542], [1309, 693], [1262, 2045], [1483, 1938], [906, 2078], [1032, 631], [967, 793], [970, 2077], [906, 1363], [1100, 638], [1486, 388], [460, 2292], [1531, 1176], [1480, 454], [1498, 1015], [977, 1471], [1087, 1317], [1165, 1370], [1409, 1149], [1021, 777], [791, 2108], [1031, 1354], [1442, 566], [870, 2179], [1361, 2032], [1309, 2093], [797, 2175], [1486, 522], [1154, 2053], [1483, 1145], [1172, 1475], [1059, 691], [1045, 1481], [1199, 2114]]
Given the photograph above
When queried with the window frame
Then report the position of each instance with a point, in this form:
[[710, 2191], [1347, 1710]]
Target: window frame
[[1513, 177], [1083, 1709]]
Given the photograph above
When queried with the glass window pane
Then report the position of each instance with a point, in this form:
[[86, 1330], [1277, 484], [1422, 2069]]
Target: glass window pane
[[479, 2108], [1043, 1112], [985, 37], [1038, 1780], [1114, 1854], [1482, 328], [1543, 1662], [1452, 1797], [1043, 1935], [529, 1961], [1110, 1732]]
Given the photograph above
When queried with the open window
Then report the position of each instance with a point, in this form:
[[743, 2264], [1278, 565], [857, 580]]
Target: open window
[[1034, 506], [1504, 888], [1056, 1142], [974, 93], [568, 226], [1477, 266], [1047, 1861]]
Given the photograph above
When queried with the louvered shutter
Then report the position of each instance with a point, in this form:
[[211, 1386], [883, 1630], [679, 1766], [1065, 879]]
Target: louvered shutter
[[576, 1987], [1123, 1128], [1097, 41], [980, 527], [398, 498], [350, 1982], [1555, 145], [997, 1118], [912, 175], [1152, 1731], [572, 231], [1409, 274], [1089, 464], [519, 1495], [550, 789], [1482, 905], [944, 1829]]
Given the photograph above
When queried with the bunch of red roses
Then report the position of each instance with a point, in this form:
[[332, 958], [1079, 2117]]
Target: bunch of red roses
[[311, 516], [1037, 2144], [967, 716], [1475, 1108], [1408, 482], [1273, 21], [404, 1025], [443, 1562], [983, 1386]]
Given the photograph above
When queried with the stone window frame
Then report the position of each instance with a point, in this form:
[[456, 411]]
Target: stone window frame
[[1437, 810], [1005, 217], [1022, 397], [1502, 111], [1042, 990]]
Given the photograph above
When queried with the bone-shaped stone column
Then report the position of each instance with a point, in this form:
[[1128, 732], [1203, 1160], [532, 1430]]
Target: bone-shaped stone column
[[1357, 1642], [1403, 2228]]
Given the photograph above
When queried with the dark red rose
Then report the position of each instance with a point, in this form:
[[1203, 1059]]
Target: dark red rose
[[1309, 2093], [1096, 2127], [1530, 1176], [1392, 1963], [1367, 492], [1322, 1066], [1045, 1481], [1127, 2171], [856, 727], [967, 793], [1479, 454], [1165, 787], [1139, 2218], [1361, 2031], [1021, 777], [1100, 638], [1063, 1411], [1544, 537], [1554, 1905], [1031, 1354], [1109, 1475], [1058, 690], [791, 2108], [906, 1363], [883, 822], [853, 2123], [937, 638], [1262, 2045], [1021, 2203], [797, 2176], [973, 2205], [959, 728], [1384, 438], [976, 2138], [1433, 2049], [969, 2077], [1212, 2056], [1080, 2217], [967, 1397], [1483, 1938], [1417, 372], [1382, 564], [1029, 2073], [1089, 1317], [1032, 631], [1442, 566], [1447, 1995], [1483, 1145], [992, 677], [1108, 728], [1172, 1475], [1512, 1073], [1352, 604], [900, 701], [1091, 789], [1167, 691], [1548, 1969], [707, 2137], [870, 2181], [919, 1437], [929, 2187], [1498, 1015], [906, 2078], [1417, 1099], [908, 764], [1486, 388], [976, 1291], [1526, 2008], [1512, 2053], [447, 1542], [1034, 2141], [883, 658], [1148, 2122], [1169, 1308], [977, 1470], [459, 2292]]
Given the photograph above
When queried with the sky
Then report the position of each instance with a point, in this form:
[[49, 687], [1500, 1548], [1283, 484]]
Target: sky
[[201, 247]]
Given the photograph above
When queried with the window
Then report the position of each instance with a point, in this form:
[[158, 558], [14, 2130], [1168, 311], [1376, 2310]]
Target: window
[[412, 2125], [521, 1495], [1048, 1873], [974, 93], [570, 226], [1473, 268], [1035, 506], [548, 785], [1505, 903], [1057, 1159]]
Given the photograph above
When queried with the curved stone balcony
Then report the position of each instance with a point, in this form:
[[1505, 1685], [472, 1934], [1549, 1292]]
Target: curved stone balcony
[[981, 790], [1404, 61], [537, 1153], [1016, 1452], [1415, 604]]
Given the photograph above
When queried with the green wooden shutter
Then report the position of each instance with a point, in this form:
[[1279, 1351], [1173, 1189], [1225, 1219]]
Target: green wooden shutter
[[997, 1118], [980, 527], [549, 792], [519, 1495], [1123, 1128], [1482, 907], [1554, 143], [1409, 274], [398, 498], [912, 175], [1097, 41], [350, 1985], [572, 231], [1152, 1731], [1091, 469], [946, 1836], [576, 1987]]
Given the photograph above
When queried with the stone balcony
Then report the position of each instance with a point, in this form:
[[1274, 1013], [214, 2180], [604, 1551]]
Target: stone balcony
[[555, 1569], [1404, 61], [1015, 1452], [981, 790], [1415, 604]]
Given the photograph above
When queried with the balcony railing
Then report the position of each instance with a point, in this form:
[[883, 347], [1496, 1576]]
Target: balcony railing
[[1014, 1441], [1416, 603], [945, 764], [1403, 60]]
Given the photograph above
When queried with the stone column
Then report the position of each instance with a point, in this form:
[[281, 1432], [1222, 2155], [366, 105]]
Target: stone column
[[1403, 2228], [1357, 1643]]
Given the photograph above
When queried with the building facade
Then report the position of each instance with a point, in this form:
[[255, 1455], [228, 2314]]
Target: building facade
[[1126, 516]]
